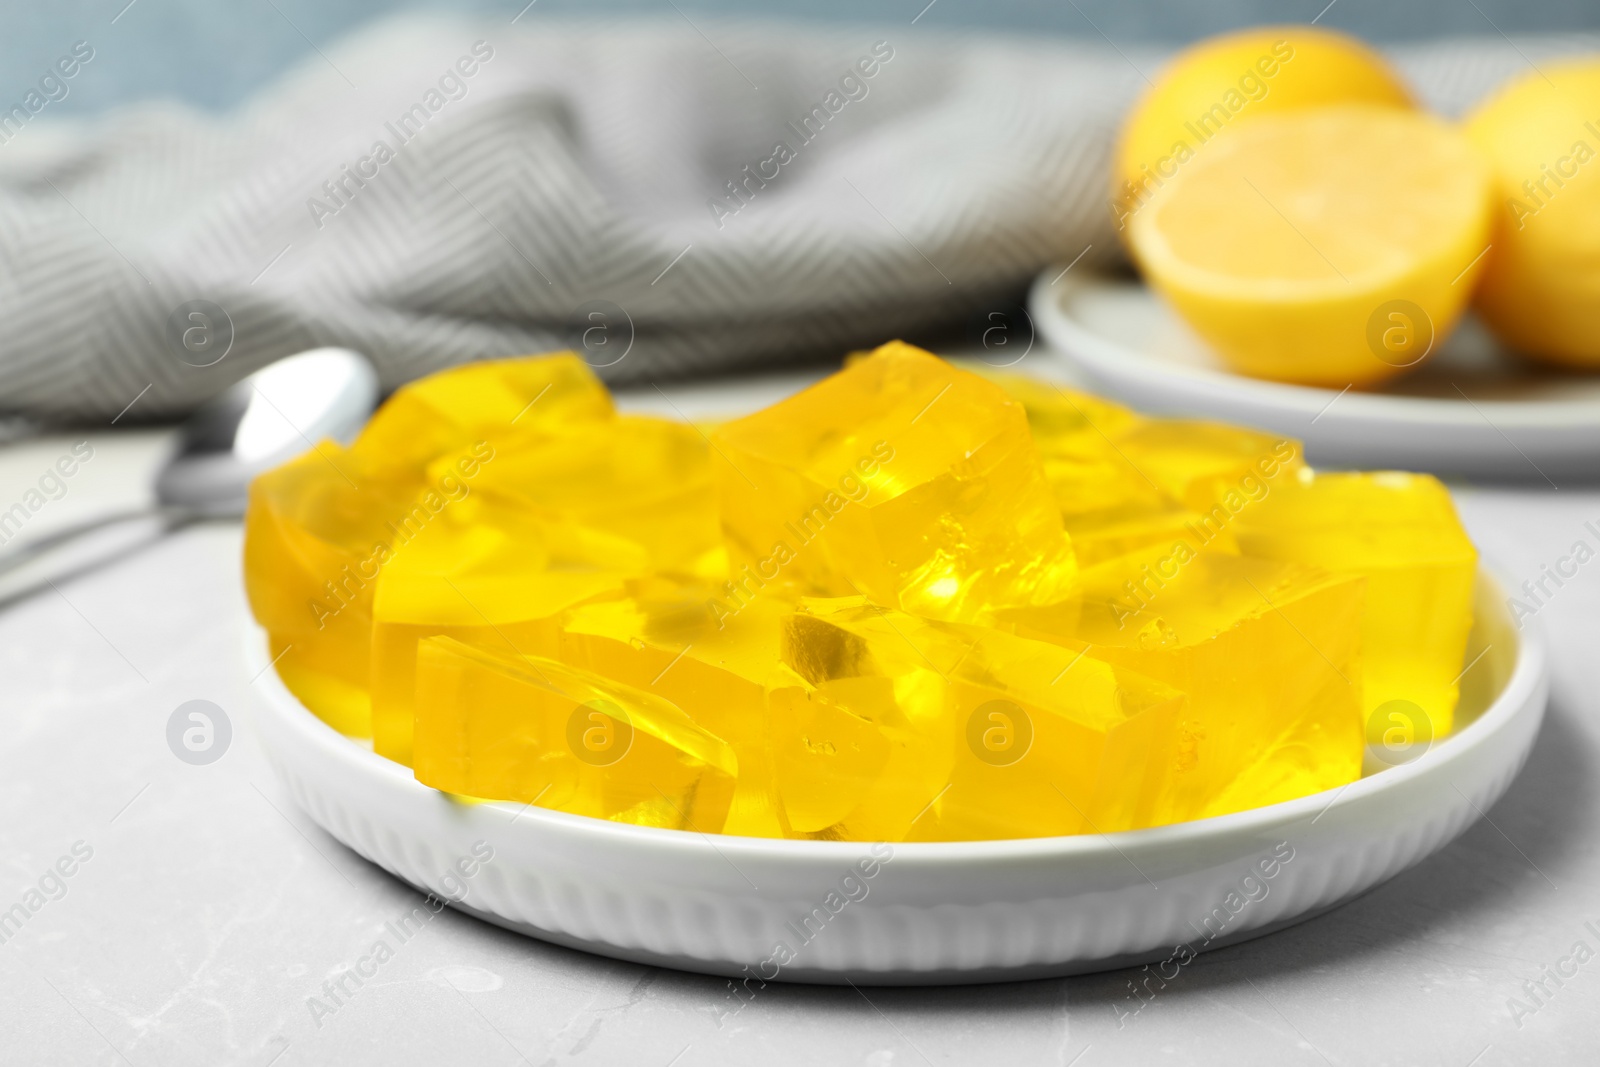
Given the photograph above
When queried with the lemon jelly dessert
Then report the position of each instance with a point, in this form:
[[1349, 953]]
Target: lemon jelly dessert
[[910, 603], [901, 478], [532, 729], [1267, 652], [1400, 531], [995, 735]]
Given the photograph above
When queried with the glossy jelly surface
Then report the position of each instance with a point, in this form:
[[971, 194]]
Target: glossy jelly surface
[[912, 602]]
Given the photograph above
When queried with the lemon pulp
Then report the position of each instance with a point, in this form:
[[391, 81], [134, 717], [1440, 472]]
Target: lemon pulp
[[1331, 247]]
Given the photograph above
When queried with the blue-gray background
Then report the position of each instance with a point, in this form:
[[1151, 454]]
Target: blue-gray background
[[214, 53]]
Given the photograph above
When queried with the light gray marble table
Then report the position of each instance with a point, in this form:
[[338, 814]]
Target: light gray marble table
[[210, 910]]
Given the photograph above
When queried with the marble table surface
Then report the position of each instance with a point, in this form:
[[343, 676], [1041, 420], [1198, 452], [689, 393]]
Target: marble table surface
[[191, 914]]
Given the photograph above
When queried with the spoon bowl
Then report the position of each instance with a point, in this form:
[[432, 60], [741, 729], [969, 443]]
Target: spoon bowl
[[264, 420]]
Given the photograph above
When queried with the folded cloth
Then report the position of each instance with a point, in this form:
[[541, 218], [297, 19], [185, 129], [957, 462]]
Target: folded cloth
[[670, 198]]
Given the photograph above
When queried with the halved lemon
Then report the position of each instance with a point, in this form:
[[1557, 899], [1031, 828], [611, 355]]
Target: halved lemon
[[1210, 88], [1332, 246]]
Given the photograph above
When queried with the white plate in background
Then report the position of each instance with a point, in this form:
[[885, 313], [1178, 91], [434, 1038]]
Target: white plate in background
[[1470, 410]]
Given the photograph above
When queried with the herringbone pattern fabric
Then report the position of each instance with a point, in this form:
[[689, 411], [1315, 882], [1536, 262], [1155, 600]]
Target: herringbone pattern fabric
[[633, 164]]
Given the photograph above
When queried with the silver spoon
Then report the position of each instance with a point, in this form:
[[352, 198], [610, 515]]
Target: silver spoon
[[267, 418]]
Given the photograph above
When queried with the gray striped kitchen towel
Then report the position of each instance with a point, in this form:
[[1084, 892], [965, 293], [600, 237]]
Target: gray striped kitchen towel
[[672, 198]]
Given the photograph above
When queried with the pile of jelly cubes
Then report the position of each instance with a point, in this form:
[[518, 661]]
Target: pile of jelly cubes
[[913, 602]]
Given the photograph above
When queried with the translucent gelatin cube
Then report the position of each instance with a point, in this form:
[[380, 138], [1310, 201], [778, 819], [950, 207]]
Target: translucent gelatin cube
[[1102, 535], [501, 726], [1207, 466], [319, 674], [1053, 740], [667, 640], [492, 401], [1401, 532], [1171, 479], [877, 750], [1004, 737], [480, 583], [1063, 420], [316, 533], [901, 478], [641, 479], [1076, 435], [1268, 654], [828, 752]]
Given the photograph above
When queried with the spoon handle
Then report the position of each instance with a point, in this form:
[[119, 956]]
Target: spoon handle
[[11, 558]]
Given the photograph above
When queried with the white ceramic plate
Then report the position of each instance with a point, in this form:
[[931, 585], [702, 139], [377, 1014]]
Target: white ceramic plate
[[1469, 410], [928, 913]]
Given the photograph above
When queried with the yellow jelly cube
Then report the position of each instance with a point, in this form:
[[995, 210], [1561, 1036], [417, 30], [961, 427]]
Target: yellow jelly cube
[[667, 640], [1179, 479], [901, 478], [1101, 535], [1063, 420], [1201, 464], [316, 531], [1124, 482], [318, 673], [1055, 741], [636, 478], [491, 401], [502, 726], [1001, 736], [1268, 654], [1401, 532], [828, 750], [1076, 435], [472, 581], [863, 750]]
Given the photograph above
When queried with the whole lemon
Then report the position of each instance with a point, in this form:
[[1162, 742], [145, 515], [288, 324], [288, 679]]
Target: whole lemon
[[1221, 82], [1541, 290]]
